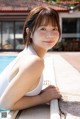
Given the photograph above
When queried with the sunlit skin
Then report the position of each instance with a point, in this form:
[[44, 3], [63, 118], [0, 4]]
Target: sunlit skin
[[44, 38]]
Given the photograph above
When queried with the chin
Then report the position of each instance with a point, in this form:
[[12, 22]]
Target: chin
[[50, 47]]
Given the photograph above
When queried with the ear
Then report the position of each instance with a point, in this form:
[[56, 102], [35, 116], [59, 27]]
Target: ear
[[27, 30]]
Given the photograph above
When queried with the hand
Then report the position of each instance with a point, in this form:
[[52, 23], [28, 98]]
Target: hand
[[50, 93]]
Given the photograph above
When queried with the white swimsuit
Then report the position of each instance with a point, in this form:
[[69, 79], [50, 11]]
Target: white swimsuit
[[4, 76]]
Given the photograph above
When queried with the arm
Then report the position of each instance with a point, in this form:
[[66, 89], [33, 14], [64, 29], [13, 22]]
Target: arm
[[45, 96], [26, 77], [27, 102]]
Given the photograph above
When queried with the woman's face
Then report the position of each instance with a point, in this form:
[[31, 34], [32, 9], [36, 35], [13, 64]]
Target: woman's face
[[45, 37]]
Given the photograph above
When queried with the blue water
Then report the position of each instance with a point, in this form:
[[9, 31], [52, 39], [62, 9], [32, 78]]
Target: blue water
[[4, 61]]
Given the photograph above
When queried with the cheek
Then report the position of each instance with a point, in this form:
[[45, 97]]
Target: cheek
[[41, 34], [57, 35], [37, 37], [38, 34]]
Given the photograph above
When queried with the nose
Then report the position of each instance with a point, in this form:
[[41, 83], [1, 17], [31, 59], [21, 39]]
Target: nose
[[49, 34]]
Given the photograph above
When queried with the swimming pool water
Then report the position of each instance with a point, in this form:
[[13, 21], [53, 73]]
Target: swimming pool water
[[4, 61]]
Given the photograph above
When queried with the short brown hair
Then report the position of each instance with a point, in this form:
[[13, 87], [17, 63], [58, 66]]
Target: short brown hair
[[36, 18]]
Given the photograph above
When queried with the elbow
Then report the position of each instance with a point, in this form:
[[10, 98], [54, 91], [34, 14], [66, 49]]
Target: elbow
[[3, 107], [12, 107], [7, 107]]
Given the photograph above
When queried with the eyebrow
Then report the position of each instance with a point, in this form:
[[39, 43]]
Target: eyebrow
[[46, 26]]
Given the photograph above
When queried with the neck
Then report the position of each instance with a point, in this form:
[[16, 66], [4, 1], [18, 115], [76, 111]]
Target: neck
[[40, 51]]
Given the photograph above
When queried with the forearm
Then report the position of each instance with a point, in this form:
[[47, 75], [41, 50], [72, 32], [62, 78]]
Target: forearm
[[26, 102]]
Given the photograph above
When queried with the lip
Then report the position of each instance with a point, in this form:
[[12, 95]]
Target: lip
[[48, 41]]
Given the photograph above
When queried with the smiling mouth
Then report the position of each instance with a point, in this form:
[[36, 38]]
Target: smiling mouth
[[48, 41]]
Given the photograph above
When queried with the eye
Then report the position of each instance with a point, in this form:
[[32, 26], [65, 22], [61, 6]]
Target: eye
[[55, 29], [43, 29]]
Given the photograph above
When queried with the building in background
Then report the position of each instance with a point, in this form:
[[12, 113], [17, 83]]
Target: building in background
[[12, 17], [70, 27]]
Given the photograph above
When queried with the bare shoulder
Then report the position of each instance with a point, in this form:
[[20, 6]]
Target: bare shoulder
[[31, 62]]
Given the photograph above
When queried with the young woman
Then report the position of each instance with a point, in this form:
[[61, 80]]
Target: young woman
[[21, 81]]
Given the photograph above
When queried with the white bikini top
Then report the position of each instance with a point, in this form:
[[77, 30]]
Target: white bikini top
[[38, 89]]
